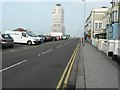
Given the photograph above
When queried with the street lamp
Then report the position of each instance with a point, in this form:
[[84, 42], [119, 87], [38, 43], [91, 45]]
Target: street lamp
[[119, 20], [84, 18]]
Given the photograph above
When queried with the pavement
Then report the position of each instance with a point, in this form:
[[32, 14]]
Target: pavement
[[95, 70]]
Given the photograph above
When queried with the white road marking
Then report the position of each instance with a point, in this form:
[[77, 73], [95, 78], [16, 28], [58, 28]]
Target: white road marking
[[12, 50], [35, 46], [38, 54], [25, 48], [59, 46], [47, 51], [50, 50], [43, 52], [12, 66]]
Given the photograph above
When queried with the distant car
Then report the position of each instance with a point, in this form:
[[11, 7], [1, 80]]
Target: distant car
[[6, 40], [43, 39], [48, 38], [53, 38], [58, 38], [64, 37]]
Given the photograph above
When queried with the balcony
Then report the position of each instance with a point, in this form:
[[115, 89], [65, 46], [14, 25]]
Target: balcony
[[99, 31]]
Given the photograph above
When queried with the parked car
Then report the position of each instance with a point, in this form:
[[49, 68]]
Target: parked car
[[48, 38], [58, 38], [53, 38], [26, 37], [64, 37], [6, 40], [43, 38]]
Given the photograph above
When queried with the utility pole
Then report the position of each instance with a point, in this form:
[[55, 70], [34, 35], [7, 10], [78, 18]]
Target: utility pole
[[84, 20], [83, 33], [119, 20]]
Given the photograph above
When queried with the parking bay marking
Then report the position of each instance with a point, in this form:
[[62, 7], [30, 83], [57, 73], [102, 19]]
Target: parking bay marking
[[25, 48], [12, 50], [38, 54], [12, 66], [59, 46], [47, 51]]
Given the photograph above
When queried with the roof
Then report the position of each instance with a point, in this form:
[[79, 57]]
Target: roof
[[19, 29]]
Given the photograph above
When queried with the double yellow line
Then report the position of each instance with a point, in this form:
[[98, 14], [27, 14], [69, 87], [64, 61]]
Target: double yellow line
[[63, 82]]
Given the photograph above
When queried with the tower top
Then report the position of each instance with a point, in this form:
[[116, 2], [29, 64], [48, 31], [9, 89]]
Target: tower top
[[58, 4]]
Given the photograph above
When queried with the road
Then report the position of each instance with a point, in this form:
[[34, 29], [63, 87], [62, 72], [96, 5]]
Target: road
[[37, 66]]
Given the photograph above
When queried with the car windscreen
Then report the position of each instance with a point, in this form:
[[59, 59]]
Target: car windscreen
[[6, 36], [31, 34]]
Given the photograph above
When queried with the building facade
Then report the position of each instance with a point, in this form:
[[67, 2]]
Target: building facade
[[103, 27], [115, 19], [57, 25], [94, 24], [107, 26]]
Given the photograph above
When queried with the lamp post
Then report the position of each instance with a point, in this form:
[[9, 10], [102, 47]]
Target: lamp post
[[119, 20], [84, 19]]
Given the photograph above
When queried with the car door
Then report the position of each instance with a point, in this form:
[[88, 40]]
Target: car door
[[24, 37]]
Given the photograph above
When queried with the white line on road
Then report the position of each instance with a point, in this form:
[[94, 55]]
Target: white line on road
[[59, 46], [12, 50], [47, 51], [25, 48], [38, 54], [34, 46], [12, 66]]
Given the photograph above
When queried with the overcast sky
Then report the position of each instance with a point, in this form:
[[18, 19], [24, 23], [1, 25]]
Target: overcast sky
[[37, 15]]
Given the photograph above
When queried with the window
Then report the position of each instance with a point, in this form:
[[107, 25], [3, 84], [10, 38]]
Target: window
[[114, 16], [6, 36], [54, 25], [24, 34], [96, 25], [100, 25]]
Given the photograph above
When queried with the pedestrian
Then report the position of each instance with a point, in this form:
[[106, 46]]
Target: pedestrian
[[83, 41]]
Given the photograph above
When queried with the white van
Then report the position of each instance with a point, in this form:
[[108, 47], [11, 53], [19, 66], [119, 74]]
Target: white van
[[26, 37]]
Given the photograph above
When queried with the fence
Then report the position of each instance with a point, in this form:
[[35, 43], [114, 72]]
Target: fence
[[105, 48]]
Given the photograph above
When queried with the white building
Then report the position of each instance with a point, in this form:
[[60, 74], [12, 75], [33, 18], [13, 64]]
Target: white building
[[57, 26], [94, 24], [107, 24]]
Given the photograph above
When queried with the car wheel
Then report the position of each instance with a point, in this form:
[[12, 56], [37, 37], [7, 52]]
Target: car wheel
[[29, 43]]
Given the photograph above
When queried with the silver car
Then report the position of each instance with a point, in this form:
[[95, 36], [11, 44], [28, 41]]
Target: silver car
[[6, 40]]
